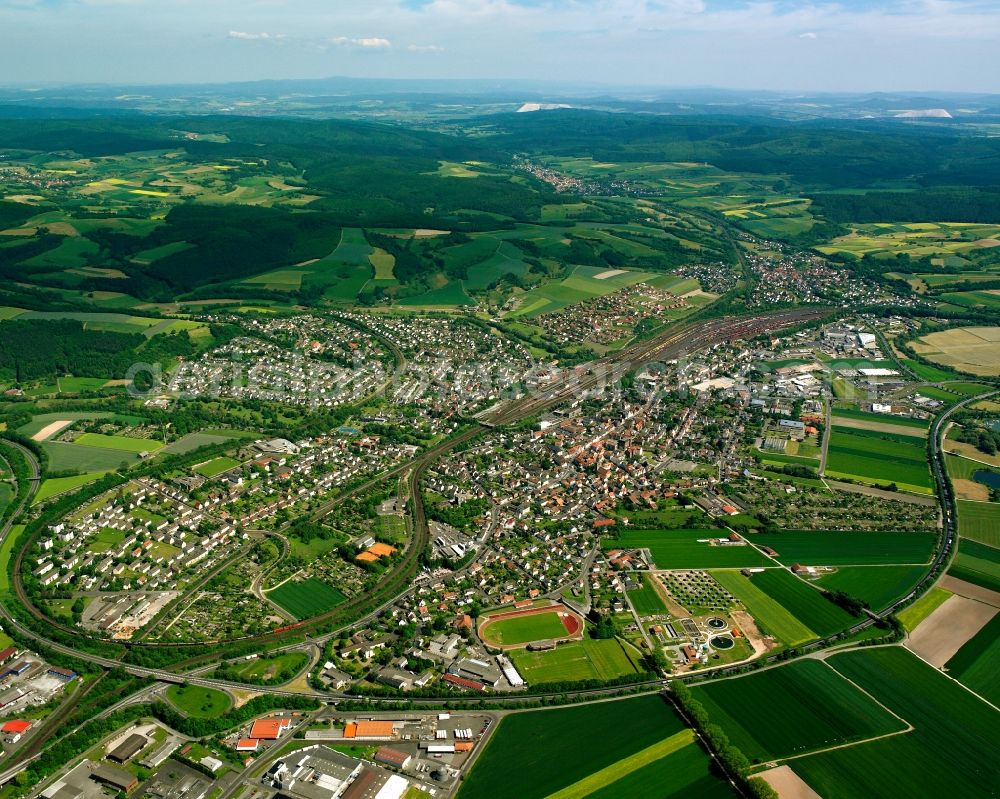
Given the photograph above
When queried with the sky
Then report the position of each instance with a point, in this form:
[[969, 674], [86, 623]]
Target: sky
[[850, 45]]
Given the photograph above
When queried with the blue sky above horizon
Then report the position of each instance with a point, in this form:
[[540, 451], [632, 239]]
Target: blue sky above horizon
[[850, 45]]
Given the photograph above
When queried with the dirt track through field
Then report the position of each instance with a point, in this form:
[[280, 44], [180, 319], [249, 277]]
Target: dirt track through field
[[50, 430], [788, 784], [939, 636]]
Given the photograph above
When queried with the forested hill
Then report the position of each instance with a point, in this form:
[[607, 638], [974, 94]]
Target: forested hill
[[815, 154]]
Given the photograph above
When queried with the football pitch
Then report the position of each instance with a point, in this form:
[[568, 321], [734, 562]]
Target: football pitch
[[306, 598], [523, 629], [588, 659]]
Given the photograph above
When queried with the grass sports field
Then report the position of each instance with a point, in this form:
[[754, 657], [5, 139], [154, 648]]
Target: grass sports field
[[772, 618], [950, 752], [534, 755], [523, 629], [879, 458], [978, 564], [122, 443], [975, 664], [646, 600], [879, 586], [588, 659], [687, 549], [198, 702], [808, 706], [848, 548], [216, 466], [306, 598], [980, 521]]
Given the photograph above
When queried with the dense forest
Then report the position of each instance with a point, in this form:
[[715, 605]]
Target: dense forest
[[38, 348], [966, 204]]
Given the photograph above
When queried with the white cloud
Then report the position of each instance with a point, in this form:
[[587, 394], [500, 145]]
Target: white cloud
[[425, 48], [248, 36], [808, 35], [368, 43]]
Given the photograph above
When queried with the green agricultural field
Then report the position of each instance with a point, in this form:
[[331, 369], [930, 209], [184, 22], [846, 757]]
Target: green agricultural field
[[851, 412], [306, 598], [799, 707], [71, 457], [383, 263], [61, 485], [878, 460], [682, 774], [121, 443], [950, 752], [581, 284], [198, 702], [879, 586], [115, 322], [687, 549], [554, 749], [977, 563], [193, 441], [449, 295], [848, 547], [42, 420], [803, 601], [772, 617], [589, 659], [216, 466], [610, 775], [975, 664], [647, 600], [77, 385], [933, 374], [524, 629], [979, 521], [353, 248], [901, 434], [911, 616]]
